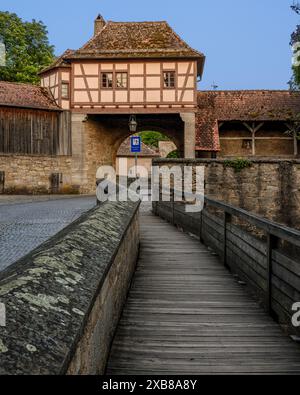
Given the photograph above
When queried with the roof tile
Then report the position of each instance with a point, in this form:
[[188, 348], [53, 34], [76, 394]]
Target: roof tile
[[118, 40], [26, 96], [124, 150], [255, 105]]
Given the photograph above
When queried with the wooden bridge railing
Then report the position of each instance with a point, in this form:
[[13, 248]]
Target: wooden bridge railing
[[266, 259]]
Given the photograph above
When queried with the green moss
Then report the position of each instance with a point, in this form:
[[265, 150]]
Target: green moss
[[238, 164], [45, 302]]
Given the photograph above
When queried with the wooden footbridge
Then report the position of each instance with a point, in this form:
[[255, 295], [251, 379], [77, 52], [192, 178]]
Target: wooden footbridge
[[188, 314], [213, 292]]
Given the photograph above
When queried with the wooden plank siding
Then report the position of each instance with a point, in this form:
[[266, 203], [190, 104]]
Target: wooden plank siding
[[34, 132], [186, 314]]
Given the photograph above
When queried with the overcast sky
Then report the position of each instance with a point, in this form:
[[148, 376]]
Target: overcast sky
[[246, 42]]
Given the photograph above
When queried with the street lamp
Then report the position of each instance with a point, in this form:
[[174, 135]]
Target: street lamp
[[133, 124]]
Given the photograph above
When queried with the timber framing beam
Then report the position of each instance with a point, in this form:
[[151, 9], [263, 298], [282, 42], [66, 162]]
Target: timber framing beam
[[253, 128], [292, 129]]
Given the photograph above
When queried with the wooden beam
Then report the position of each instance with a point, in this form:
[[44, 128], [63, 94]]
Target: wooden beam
[[292, 129], [253, 130], [248, 127], [257, 138], [295, 143], [86, 83], [258, 127], [186, 81]]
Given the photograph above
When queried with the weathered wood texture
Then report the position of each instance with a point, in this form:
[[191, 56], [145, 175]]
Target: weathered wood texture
[[34, 132], [186, 314], [273, 275]]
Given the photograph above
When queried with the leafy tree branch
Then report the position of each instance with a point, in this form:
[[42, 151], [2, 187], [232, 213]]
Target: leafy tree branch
[[27, 48]]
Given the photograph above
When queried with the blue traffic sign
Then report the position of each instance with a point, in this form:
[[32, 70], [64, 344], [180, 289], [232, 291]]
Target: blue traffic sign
[[136, 144]]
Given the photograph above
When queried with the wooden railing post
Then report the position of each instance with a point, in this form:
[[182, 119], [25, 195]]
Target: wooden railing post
[[173, 205], [201, 223], [272, 243], [227, 220], [200, 226]]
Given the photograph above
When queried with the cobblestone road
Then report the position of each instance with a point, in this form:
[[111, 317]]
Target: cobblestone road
[[25, 225]]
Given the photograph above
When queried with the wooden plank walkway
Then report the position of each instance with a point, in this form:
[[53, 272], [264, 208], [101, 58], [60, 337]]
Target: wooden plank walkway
[[186, 314]]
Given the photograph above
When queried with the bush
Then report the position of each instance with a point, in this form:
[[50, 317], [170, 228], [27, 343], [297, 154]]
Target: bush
[[152, 139], [174, 155], [238, 164]]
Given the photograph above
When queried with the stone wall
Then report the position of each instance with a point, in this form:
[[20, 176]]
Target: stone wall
[[32, 174], [166, 147], [270, 188], [96, 140], [64, 300]]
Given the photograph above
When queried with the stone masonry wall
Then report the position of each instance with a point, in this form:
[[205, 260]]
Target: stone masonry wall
[[270, 188], [32, 174], [64, 300]]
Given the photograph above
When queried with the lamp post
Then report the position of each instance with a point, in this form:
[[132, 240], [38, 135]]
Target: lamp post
[[133, 128]]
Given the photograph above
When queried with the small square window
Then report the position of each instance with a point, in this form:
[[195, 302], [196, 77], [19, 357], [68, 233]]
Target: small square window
[[121, 80], [169, 79], [107, 80], [65, 91], [247, 144]]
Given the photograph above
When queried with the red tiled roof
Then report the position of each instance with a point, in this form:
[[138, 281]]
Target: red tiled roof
[[119, 40], [59, 62], [124, 150], [207, 135], [26, 96], [259, 105]]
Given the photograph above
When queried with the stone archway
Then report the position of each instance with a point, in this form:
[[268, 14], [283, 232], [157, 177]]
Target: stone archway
[[97, 138]]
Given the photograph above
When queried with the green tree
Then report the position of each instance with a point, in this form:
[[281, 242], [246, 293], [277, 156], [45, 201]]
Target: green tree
[[152, 139], [295, 42], [174, 155], [27, 48]]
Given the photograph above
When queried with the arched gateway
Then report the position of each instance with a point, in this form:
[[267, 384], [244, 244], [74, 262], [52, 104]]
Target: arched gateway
[[144, 69]]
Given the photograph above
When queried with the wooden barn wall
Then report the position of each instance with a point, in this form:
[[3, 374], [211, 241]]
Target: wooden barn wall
[[34, 132]]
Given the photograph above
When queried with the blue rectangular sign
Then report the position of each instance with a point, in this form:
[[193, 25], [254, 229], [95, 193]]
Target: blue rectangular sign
[[136, 144]]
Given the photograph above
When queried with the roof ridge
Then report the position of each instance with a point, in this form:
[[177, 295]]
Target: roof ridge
[[181, 39], [94, 36], [57, 59], [135, 22], [134, 39], [20, 83], [181, 42]]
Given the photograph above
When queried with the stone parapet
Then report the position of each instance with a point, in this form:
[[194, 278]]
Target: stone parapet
[[268, 187], [63, 301]]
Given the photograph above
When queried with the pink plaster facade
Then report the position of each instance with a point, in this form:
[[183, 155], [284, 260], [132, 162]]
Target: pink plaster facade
[[145, 86], [54, 80]]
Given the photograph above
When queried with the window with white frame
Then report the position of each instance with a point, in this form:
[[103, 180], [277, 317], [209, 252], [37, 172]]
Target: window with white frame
[[121, 80], [169, 79], [107, 80], [65, 90]]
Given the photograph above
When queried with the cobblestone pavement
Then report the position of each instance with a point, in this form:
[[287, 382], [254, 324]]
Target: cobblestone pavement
[[16, 199], [24, 225]]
